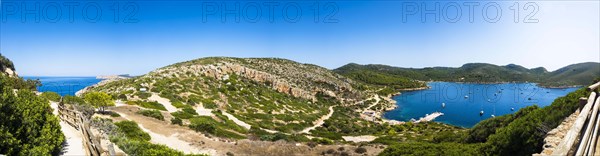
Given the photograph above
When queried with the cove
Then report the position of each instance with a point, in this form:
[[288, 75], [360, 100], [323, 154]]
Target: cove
[[462, 103]]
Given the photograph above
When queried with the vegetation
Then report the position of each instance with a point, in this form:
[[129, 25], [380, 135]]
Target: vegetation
[[149, 105], [152, 113], [133, 141], [52, 96], [576, 74], [27, 125], [73, 100], [211, 126], [99, 100]]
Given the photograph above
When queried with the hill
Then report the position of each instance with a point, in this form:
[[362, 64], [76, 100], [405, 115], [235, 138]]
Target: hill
[[576, 74], [267, 94]]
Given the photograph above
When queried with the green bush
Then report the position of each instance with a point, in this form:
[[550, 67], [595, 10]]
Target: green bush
[[423, 148], [182, 115], [152, 113], [150, 105], [177, 121], [74, 100], [27, 126], [132, 131], [143, 95], [52, 96], [203, 125], [178, 104]]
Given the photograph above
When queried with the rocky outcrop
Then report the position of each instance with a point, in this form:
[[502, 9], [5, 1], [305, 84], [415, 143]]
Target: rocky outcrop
[[290, 80]]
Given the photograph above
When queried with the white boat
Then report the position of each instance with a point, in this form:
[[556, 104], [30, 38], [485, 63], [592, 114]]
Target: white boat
[[466, 96], [481, 113], [443, 105], [493, 116]]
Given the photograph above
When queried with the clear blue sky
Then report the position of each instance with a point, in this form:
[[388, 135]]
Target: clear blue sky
[[365, 32]]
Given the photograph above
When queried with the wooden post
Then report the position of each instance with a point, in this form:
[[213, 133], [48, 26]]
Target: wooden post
[[582, 102]]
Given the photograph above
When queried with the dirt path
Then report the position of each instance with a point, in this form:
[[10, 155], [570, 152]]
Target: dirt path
[[236, 120], [170, 140], [217, 147], [377, 100], [204, 111], [319, 122], [164, 102], [73, 144]]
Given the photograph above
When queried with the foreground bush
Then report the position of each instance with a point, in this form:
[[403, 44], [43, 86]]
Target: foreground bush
[[27, 125]]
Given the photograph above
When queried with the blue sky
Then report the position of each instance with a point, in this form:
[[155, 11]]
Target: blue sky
[[366, 32]]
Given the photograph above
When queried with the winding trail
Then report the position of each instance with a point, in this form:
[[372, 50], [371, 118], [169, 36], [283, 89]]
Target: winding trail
[[73, 144], [171, 141], [236, 120], [165, 102], [377, 100], [319, 122]]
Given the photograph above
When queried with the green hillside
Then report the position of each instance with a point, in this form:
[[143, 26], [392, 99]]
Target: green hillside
[[267, 93], [577, 74]]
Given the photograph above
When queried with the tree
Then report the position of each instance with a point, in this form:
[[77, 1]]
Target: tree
[[99, 100], [27, 125]]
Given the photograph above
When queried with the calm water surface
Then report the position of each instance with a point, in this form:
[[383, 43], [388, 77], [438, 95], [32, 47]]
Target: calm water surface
[[465, 101], [64, 85]]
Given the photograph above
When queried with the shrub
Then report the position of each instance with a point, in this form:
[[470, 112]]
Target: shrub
[[150, 105], [152, 113], [182, 115], [143, 95], [203, 125], [132, 131], [52, 96], [178, 104], [177, 121], [67, 99], [361, 150], [26, 125], [114, 114]]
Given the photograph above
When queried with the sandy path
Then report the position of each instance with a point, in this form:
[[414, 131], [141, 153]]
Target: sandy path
[[319, 122], [172, 141], [236, 120], [358, 139], [164, 102], [73, 144], [203, 111], [377, 100]]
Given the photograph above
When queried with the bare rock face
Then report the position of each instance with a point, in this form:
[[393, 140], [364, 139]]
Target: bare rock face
[[10, 72], [288, 78]]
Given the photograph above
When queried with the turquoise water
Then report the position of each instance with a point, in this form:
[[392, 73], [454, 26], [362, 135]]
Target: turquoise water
[[64, 85], [493, 99]]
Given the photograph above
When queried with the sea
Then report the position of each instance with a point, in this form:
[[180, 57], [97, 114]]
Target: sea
[[63, 85], [462, 103]]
